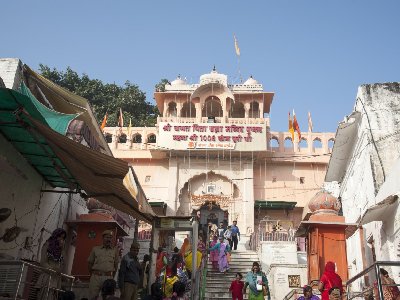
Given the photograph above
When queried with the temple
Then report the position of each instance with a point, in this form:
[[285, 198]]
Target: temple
[[213, 153]]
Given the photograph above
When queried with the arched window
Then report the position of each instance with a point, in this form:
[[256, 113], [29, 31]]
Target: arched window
[[212, 107], [288, 143], [254, 111], [188, 110], [317, 143], [152, 139], [274, 142], [137, 139], [330, 143], [122, 138], [237, 110], [172, 111], [108, 137], [303, 143]]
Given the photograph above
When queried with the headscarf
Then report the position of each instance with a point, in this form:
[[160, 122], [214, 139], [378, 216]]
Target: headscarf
[[331, 277], [185, 247], [54, 250]]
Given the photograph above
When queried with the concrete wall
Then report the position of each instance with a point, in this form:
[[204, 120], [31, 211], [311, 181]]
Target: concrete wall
[[20, 187], [379, 105], [278, 278]]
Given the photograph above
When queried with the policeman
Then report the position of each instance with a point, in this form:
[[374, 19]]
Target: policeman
[[102, 264]]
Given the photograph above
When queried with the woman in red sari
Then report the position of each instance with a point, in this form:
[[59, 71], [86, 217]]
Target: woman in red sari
[[329, 279]]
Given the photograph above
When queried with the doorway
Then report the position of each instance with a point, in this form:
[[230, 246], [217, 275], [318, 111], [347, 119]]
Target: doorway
[[212, 213]]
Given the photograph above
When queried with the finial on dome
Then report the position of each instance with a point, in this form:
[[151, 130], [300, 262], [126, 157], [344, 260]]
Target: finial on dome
[[324, 203], [214, 69]]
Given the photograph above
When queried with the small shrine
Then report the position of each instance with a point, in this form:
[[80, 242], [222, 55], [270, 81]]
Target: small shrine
[[326, 232], [89, 228]]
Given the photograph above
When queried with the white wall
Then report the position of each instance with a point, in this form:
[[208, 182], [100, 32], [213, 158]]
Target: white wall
[[278, 279], [20, 191], [364, 174]]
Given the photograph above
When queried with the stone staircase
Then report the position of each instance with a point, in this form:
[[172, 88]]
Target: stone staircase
[[217, 284]]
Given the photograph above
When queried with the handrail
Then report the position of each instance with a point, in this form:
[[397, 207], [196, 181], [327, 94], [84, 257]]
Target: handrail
[[18, 279], [374, 267]]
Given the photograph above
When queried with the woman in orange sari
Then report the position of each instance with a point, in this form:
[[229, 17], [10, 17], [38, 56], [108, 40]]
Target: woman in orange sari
[[185, 247], [161, 261]]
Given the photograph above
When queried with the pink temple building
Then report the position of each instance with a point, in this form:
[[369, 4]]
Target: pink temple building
[[213, 150]]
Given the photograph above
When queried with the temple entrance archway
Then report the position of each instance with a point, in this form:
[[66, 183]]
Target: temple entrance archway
[[208, 193]]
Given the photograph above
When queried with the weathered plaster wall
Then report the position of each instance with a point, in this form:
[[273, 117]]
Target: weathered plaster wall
[[377, 147], [20, 191]]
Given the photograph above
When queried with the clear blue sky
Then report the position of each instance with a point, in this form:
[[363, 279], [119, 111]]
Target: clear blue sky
[[312, 54]]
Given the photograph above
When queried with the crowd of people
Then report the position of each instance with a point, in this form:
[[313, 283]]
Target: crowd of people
[[173, 272]]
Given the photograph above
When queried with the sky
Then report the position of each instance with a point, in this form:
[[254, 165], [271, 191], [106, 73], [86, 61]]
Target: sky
[[312, 54]]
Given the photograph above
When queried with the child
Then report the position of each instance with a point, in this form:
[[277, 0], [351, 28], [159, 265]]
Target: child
[[179, 291], [237, 287]]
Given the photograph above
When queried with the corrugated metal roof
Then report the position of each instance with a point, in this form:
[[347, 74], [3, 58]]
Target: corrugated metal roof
[[15, 126], [64, 101], [99, 175]]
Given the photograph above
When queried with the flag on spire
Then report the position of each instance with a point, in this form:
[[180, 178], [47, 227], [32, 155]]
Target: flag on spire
[[120, 119], [104, 123], [296, 125], [237, 49], [310, 125], [291, 130]]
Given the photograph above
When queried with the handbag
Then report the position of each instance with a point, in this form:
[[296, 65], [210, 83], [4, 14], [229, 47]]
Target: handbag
[[265, 293]]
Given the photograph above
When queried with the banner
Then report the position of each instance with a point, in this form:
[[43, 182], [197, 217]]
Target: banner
[[238, 137]]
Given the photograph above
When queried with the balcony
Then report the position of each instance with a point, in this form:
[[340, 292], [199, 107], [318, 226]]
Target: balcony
[[217, 120]]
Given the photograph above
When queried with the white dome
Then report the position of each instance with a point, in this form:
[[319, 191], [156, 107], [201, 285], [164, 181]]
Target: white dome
[[178, 81], [251, 81]]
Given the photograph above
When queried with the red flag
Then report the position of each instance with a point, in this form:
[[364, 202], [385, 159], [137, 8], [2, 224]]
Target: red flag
[[291, 130], [104, 123], [120, 119], [296, 125]]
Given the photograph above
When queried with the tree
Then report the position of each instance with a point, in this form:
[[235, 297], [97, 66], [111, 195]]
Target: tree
[[160, 87], [106, 98]]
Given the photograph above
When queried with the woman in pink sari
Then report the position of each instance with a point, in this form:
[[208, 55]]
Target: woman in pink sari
[[214, 254], [222, 249]]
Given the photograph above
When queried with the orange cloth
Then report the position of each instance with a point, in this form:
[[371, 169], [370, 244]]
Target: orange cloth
[[160, 263], [185, 247]]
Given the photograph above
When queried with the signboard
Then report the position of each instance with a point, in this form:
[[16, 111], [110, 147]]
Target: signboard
[[171, 223], [185, 136]]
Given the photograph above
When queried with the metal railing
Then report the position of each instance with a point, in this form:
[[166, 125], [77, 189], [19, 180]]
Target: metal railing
[[276, 236], [366, 290], [25, 280]]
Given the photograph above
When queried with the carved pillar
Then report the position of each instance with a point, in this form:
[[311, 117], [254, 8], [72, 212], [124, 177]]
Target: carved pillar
[[224, 109], [178, 108], [261, 109], [198, 111], [165, 112], [246, 110]]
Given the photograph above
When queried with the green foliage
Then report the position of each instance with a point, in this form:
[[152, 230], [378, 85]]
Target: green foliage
[[106, 97], [160, 87]]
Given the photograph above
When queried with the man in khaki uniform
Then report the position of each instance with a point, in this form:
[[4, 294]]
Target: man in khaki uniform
[[102, 264]]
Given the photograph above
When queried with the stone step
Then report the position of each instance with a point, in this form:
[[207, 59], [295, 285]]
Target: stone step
[[220, 295]]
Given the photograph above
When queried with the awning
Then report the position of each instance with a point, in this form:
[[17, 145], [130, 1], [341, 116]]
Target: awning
[[65, 101], [102, 177], [16, 128], [342, 148], [380, 211], [274, 204]]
